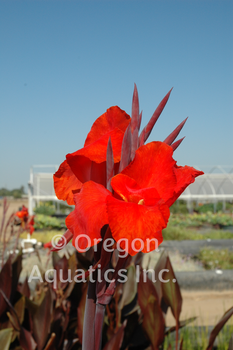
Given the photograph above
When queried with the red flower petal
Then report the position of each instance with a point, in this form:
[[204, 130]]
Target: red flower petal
[[89, 216], [48, 245], [113, 118], [185, 176], [130, 191], [153, 166], [85, 170], [96, 151], [65, 182], [136, 225], [89, 163]]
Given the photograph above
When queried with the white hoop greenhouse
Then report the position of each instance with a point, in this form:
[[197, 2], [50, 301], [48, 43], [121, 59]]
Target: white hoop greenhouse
[[216, 185]]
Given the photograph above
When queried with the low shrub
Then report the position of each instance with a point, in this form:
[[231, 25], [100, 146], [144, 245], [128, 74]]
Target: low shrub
[[47, 222], [212, 259], [45, 209]]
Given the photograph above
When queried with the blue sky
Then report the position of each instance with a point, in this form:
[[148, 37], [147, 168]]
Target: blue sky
[[63, 63]]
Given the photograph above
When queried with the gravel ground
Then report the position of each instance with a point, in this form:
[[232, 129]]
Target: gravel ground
[[191, 247], [180, 262]]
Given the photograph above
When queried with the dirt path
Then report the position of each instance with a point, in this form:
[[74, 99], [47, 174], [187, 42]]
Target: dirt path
[[208, 307], [14, 205]]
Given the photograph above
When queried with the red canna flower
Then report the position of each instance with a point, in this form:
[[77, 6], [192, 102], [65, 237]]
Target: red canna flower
[[22, 218], [121, 188], [89, 163], [139, 208], [135, 203], [22, 214], [30, 225]]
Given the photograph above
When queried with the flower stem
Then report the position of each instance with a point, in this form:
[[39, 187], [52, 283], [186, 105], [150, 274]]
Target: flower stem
[[88, 342], [99, 320]]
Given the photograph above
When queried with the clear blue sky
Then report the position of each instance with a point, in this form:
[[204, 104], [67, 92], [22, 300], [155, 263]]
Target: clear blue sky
[[63, 63]]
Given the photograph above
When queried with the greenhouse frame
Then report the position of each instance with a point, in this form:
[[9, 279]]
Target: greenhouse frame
[[216, 185]]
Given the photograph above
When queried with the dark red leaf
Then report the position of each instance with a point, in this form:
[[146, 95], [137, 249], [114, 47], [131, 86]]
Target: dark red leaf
[[125, 149], [174, 133], [13, 315], [106, 254], [171, 291], [218, 327], [171, 294], [109, 165], [41, 319], [115, 342], [5, 284], [153, 320], [24, 288], [80, 313], [26, 340], [134, 143], [104, 297], [181, 325], [161, 264], [99, 321], [135, 110], [153, 323], [16, 270], [145, 290], [148, 128], [139, 120], [60, 264], [176, 144], [88, 340]]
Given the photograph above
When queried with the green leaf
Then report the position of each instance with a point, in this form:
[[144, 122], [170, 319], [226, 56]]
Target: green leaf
[[19, 308], [5, 338], [72, 266], [129, 287], [231, 343]]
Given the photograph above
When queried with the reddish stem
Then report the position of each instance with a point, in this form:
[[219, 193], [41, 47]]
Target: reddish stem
[[99, 320], [89, 316]]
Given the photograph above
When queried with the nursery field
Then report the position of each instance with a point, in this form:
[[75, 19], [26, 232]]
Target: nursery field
[[182, 227], [195, 303]]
